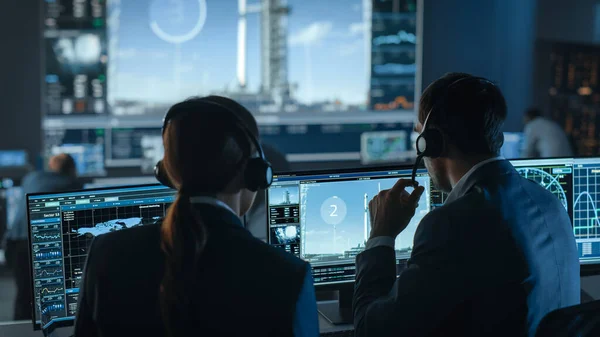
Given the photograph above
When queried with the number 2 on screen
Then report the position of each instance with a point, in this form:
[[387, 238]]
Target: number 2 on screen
[[333, 212]]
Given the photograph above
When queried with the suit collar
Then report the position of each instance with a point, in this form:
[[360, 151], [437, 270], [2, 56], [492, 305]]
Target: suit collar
[[487, 168]]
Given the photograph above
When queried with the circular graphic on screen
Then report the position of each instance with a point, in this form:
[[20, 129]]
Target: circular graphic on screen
[[550, 182], [177, 21], [88, 49], [333, 210], [291, 231]]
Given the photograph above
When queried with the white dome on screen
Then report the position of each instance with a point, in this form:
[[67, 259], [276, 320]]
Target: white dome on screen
[[88, 48]]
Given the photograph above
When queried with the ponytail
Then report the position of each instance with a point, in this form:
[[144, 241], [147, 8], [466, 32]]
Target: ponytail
[[184, 236]]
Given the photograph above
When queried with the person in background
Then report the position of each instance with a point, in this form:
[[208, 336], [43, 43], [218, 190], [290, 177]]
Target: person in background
[[498, 256], [256, 218], [199, 272], [544, 138], [61, 176]]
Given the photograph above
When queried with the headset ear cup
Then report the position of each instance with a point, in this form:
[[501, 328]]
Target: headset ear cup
[[161, 176], [421, 145], [258, 174], [431, 143]]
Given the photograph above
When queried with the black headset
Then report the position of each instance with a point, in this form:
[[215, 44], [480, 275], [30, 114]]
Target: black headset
[[431, 143], [258, 174]]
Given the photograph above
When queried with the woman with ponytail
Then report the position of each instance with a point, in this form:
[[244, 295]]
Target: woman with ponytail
[[200, 272]]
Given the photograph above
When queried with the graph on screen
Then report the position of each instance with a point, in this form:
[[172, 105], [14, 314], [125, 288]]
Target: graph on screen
[[556, 179], [586, 224]]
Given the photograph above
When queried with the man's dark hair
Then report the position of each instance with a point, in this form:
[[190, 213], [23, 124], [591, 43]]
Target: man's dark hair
[[63, 164], [533, 113], [470, 113]]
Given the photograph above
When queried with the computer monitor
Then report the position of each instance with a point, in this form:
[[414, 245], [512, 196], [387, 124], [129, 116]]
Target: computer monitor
[[586, 206], [274, 56], [13, 158], [317, 81], [61, 229], [555, 175], [136, 146], [513, 143], [323, 218], [86, 146], [75, 58], [367, 55], [381, 147], [576, 183]]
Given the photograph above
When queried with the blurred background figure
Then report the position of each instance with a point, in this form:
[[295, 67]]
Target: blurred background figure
[[61, 176], [544, 138], [256, 218]]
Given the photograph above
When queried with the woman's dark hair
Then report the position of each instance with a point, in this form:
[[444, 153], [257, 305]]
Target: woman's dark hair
[[205, 149], [470, 114]]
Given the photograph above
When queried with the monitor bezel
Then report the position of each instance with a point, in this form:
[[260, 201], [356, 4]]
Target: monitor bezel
[[70, 322]]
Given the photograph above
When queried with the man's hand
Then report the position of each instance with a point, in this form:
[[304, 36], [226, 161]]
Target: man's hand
[[391, 210]]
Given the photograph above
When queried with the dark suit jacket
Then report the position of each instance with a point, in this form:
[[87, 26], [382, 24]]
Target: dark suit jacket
[[497, 257], [243, 287]]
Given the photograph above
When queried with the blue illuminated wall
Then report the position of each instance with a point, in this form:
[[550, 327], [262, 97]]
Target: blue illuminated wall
[[491, 38]]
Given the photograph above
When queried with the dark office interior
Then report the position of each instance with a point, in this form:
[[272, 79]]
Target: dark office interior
[[334, 87]]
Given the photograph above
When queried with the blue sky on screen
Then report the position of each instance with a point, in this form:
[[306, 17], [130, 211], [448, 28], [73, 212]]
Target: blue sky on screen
[[326, 40], [319, 237]]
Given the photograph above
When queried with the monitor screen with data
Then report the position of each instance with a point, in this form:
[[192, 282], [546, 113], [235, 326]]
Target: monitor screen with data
[[555, 175], [86, 146], [61, 229], [576, 183], [274, 56], [323, 217], [13, 158], [137, 57], [586, 203]]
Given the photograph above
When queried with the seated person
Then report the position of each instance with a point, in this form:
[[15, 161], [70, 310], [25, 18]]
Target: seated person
[[544, 138], [493, 260], [199, 272], [61, 176]]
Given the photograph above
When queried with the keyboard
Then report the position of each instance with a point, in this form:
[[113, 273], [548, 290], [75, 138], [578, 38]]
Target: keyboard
[[342, 333]]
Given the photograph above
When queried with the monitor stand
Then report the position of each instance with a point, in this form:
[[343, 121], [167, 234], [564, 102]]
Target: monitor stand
[[340, 311]]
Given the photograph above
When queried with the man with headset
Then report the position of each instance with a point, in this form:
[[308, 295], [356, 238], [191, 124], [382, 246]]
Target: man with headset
[[497, 257]]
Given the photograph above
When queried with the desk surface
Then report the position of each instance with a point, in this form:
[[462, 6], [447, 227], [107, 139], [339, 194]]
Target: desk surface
[[326, 326], [25, 329]]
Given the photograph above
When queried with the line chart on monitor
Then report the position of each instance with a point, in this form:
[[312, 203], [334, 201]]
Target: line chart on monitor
[[586, 224]]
